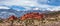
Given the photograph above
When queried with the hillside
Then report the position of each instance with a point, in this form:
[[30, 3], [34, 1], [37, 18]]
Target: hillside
[[33, 19]]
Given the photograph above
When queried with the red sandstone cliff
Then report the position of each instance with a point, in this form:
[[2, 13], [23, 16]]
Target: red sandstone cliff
[[12, 18], [32, 15]]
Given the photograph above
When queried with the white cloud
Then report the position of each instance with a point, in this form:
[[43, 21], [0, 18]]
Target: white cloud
[[56, 8], [32, 3], [17, 9], [36, 8], [19, 2], [4, 7]]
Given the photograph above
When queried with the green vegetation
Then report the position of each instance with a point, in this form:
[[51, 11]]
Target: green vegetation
[[54, 13], [1, 21]]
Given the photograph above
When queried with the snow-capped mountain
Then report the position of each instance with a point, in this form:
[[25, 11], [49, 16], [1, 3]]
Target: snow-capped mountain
[[5, 13]]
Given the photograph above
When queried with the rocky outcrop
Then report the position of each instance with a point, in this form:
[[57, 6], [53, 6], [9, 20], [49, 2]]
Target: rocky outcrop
[[32, 15]]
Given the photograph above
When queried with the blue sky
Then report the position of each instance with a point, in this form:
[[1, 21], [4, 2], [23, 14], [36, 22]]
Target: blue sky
[[25, 5], [51, 5], [54, 2]]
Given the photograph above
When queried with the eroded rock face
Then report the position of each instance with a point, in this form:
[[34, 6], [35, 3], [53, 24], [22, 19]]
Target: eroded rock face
[[33, 19], [12, 18], [32, 15], [48, 20]]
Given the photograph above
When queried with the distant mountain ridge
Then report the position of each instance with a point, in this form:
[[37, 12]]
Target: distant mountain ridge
[[9, 12]]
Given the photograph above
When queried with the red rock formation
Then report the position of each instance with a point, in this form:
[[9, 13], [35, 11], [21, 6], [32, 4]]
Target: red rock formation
[[12, 17], [32, 15]]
